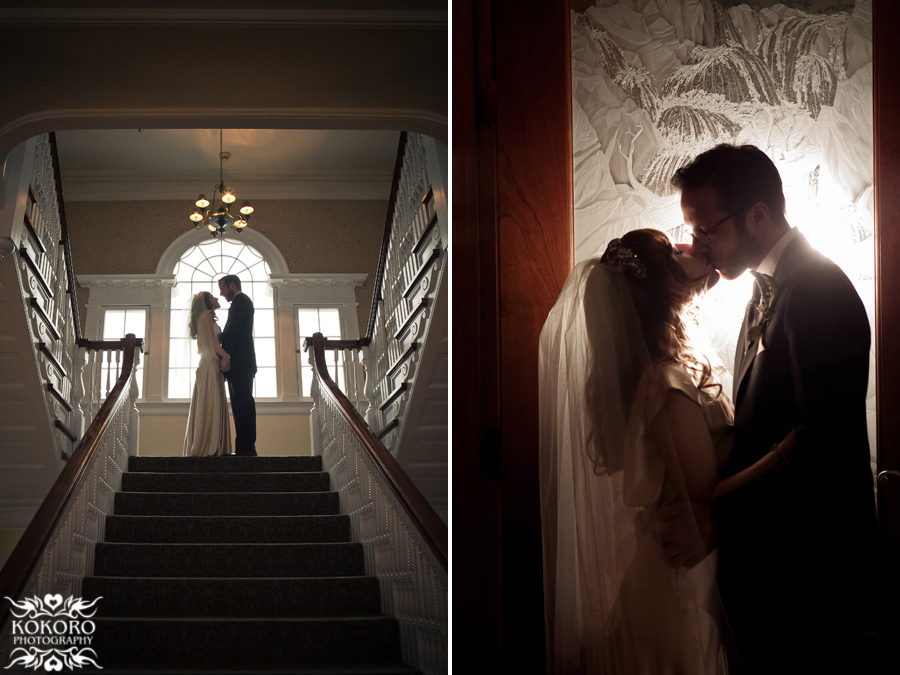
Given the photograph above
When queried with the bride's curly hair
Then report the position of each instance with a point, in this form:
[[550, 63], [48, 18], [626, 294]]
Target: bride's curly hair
[[662, 295], [201, 303]]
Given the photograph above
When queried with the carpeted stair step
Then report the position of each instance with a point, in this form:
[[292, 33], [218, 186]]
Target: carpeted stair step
[[230, 464], [227, 529], [226, 482], [246, 642], [226, 503], [244, 598], [228, 560]]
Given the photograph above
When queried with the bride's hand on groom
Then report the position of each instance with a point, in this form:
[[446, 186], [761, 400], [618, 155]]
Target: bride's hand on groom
[[687, 533]]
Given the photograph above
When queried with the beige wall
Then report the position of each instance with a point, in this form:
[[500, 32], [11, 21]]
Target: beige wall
[[314, 236], [277, 436]]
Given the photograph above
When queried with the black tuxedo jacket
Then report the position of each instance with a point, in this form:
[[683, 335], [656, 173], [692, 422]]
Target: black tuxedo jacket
[[237, 337], [796, 546]]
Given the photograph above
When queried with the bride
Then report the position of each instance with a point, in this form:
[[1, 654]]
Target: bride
[[634, 430], [208, 432]]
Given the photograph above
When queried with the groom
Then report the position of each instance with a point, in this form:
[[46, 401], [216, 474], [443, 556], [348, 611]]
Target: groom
[[237, 340], [796, 547]]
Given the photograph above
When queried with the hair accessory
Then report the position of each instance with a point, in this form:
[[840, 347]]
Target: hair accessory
[[624, 258]]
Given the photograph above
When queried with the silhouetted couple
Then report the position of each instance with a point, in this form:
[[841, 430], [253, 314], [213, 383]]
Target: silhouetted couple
[[679, 538], [225, 356]]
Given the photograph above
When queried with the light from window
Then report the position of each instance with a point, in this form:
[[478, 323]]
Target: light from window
[[117, 323], [324, 320], [199, 269]]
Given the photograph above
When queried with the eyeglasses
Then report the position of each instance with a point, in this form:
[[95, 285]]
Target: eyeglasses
[[701, 236]]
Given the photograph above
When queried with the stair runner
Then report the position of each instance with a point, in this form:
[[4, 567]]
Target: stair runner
[[235, 565]]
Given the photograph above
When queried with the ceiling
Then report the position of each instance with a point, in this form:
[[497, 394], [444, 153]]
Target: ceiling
[[174, 164]]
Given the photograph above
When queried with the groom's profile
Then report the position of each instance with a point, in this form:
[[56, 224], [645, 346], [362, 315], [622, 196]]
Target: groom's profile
[[237, 340], [796, 546]]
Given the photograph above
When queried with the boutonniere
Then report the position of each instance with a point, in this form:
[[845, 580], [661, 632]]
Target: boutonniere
[[764, 307]]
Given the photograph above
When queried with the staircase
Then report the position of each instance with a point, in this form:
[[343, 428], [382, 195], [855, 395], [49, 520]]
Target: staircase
[[235, 564]]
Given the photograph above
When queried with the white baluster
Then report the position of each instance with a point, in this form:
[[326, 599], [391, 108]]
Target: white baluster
[[80, 423], [315, 430], [337, 379], [369, 383], [135, 420], [108, 371]]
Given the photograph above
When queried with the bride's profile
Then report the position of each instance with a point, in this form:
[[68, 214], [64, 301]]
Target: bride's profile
[[634, 428], [208, 432]]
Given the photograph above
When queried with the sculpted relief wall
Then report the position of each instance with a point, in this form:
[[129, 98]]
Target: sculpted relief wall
[[655, 82]]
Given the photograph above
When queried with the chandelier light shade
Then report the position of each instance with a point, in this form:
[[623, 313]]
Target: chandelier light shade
[[217, 219]]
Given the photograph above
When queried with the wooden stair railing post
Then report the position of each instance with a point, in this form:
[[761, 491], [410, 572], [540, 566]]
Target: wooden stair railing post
[[314, 421], [135, 416]]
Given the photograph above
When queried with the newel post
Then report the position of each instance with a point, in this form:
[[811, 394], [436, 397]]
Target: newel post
[[315, 429], [134, 425]]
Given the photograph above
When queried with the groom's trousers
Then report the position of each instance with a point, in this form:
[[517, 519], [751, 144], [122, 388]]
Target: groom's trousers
[[243, 411]]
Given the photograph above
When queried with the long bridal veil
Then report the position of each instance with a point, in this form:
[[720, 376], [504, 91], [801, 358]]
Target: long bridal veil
[[607, 467]]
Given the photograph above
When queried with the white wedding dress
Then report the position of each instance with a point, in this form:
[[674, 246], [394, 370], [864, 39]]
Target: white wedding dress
[[208, 431], [608, 467], [666, 621]]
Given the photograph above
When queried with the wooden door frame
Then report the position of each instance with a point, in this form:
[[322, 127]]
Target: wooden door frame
[[886, 110], [513, 246], [513, 242]]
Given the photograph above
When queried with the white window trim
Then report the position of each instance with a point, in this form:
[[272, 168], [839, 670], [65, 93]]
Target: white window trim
[[291, 291], [101, 330], [295, 291]]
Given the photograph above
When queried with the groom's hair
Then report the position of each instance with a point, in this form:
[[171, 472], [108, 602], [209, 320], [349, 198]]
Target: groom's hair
[[740, 175], [231, 279]]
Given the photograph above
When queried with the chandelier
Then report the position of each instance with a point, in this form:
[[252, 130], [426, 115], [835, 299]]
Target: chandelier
[[217, 219]]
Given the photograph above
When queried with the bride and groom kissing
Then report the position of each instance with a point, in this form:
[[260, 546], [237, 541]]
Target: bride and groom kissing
[[682, 533], [226, 355]]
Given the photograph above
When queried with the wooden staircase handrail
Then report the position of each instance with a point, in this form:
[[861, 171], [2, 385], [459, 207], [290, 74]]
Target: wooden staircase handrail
[[385, 241], [423, 515], [18, 569], [64, 240]]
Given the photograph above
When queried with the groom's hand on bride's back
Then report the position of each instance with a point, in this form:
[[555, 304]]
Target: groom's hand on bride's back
[[687, 533]]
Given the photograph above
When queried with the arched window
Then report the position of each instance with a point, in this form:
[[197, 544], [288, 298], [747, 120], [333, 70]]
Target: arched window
[[285, 305], [199, 269]]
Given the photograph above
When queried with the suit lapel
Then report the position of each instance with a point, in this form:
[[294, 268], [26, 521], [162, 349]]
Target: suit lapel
[[228, 320], [744, 353], [743, 359]]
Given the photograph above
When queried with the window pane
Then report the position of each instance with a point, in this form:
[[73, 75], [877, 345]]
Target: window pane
[[135, 320], [330, 323], [266, 383], [199, 270], [308, 321], [265, 351], [113, 324], [180, 382], [264, 323], [306, 375], [180, 352], [178, 321]]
